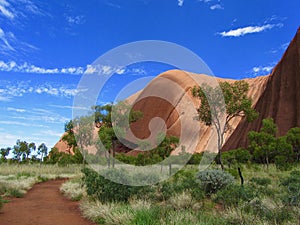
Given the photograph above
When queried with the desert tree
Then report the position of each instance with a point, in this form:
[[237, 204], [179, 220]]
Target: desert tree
[[112, 129], [4, 153], [83, 131], [42, 151], [229, 99]]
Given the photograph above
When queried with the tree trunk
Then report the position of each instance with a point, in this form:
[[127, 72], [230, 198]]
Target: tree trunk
[[241, 176]]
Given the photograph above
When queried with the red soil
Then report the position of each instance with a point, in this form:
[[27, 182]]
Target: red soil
[[42, 205]]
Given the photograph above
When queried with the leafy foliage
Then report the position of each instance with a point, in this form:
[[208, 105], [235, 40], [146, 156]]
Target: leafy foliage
[[229, 99], [234, 195], [213, 180], [292, 185], [105, 190]]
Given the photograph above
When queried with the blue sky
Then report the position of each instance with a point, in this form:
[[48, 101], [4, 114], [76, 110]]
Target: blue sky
[[46, 46]]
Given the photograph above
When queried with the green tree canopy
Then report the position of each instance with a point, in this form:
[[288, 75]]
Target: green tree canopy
[[230, 99]]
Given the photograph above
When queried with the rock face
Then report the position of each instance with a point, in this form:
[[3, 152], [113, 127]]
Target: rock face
[[180, 104], [169, 98], [280, 100]]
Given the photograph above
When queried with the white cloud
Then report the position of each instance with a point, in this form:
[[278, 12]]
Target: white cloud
[[16, 110], [104, 69], [9, 91], [248, 30], [262, 70], [5, 11], [27, 68], [17, 123], [74, 20], [12, 66], [213, 4], [69, 107], [5, 38], [180, 2], [50, 133], [216, 6]]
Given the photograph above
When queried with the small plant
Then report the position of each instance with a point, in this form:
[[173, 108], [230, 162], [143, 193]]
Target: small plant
[[16, 193], [213, 180], [147, 216], [72, 190], [1, 202], [233, 195], [181, 201], [292, 186], [261, 181]]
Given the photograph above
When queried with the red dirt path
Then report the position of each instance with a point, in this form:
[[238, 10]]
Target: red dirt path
[[42, 205]]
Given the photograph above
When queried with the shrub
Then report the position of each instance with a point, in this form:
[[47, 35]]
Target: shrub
[[261, 181], [13, 192], [213, 180], [106, 190], [72, 190], [195, 159], [181, 201], [147, 216], [269, 211], [234, 195], [292, 186], [1, 202]]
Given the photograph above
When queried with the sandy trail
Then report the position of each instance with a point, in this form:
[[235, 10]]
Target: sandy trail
[[42, 205]]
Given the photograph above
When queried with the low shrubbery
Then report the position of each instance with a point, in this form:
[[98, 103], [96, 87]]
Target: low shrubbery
[[73, 190], [213, 180]]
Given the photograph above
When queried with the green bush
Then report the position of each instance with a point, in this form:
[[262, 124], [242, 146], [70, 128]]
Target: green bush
[[292, 187], [261, 181], [13, 192], [1, 202], [182, 181], [147, 216], [213, 180], [272, 214], [104, 189], [234, 195], [195, 159]]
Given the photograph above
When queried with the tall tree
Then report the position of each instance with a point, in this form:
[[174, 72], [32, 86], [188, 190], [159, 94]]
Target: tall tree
[[110, 130], [83, 131], [4, 153], [230, 99], [42, 150]]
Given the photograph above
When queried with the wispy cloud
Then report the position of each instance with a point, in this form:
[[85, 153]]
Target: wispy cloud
[[9, 91], [16, 110], [69, 107], [5, 9], [213, 4], [28, 68], [216, 6], [17, 123], [5, 41], [74, 20], [262, 70], [248, 30], [280, 49], [104, 69], [13, 9], [180, 2], [39, 116]]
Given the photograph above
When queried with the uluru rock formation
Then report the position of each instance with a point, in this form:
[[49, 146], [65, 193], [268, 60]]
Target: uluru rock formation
[[280, 99], [169, 98]]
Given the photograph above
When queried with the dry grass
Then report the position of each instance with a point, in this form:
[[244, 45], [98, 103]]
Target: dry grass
[[16, 180], [73, 190], [110, 213]]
